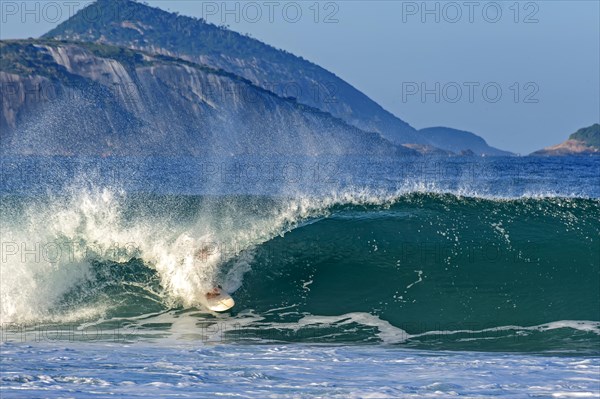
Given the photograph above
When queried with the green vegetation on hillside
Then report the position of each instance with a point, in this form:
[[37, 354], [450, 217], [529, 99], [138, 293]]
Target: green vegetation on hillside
[[23, 57], [29, 57], [588, 135], [186, 35], [125, 56]]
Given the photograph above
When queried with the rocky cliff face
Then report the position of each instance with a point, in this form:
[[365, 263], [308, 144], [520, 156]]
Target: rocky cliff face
[[585, 141], [134, 25], [89, 99]]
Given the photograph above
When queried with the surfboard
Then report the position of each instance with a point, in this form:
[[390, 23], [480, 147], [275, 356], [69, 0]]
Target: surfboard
[[220, 303]]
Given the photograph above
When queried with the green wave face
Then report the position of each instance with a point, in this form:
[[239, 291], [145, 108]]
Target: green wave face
[[438, 263]]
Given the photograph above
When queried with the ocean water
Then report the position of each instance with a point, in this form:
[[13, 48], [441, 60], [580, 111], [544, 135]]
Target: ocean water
[[353, 277]]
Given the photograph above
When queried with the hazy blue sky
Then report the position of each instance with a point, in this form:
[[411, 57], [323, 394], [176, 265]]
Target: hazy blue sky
[[543, 56]]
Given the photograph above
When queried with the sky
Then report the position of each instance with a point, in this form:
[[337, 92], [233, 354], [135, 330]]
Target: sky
[[521, 74]]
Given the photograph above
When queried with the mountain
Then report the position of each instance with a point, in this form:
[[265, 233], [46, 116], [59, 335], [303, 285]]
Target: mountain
[[459, 142], [585, 141], [138, 26], [62, 98]]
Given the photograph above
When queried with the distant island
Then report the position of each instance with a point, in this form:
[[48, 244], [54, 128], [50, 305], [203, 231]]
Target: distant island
[[460, 142], [585, 141]]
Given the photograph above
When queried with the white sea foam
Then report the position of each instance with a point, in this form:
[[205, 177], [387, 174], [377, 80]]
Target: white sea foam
[[54, 242]]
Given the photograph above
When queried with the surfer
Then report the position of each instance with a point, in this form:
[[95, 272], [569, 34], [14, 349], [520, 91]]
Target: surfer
[[214, 293], [218, 300]]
